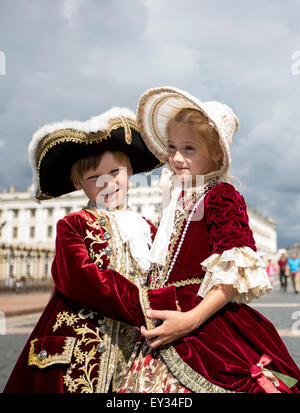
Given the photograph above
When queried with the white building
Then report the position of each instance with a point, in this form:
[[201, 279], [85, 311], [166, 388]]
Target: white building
[[25, 222], [264, 231]]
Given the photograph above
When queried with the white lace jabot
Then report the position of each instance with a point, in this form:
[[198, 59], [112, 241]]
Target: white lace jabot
[[136, 231]]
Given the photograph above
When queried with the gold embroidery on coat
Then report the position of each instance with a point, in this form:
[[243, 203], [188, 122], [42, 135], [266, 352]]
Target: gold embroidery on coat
[[83, 361], [59, 358]]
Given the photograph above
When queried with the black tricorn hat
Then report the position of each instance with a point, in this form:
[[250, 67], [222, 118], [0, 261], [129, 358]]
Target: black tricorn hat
[[55, 147]]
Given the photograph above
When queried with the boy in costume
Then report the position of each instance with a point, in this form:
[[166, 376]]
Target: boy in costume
[[87, 331]]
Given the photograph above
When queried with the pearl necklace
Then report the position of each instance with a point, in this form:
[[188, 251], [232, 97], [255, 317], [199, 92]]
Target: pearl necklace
[[182, 239], [160, 277]]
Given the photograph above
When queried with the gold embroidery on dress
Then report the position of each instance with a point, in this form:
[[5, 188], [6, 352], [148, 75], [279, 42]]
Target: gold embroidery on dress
[[186, 375], [183, 283]]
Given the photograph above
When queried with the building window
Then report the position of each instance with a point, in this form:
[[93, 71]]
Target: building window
[[32, 232], [15, 232], [67, 210], [49, 231], [15, 213], [32, 212], [50, 212]]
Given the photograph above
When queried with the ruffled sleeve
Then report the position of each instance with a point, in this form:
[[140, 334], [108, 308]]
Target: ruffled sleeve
[[241, 267], [233, 260]]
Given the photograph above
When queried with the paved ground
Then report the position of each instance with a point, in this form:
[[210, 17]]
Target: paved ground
[[14, 304], [21, 312]]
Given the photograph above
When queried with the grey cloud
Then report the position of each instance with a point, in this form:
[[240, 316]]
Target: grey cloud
[[72, 59]]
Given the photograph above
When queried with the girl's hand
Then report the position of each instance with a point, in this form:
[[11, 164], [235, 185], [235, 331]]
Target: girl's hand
[[175, 325]]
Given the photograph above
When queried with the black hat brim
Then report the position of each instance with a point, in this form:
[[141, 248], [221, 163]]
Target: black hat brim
[[55, 167]]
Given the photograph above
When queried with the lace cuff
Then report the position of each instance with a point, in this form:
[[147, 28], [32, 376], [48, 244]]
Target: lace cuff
[[241, 267]]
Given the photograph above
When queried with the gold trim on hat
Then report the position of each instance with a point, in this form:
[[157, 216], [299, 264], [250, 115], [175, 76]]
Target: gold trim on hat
[[127, 130], [73, 135]]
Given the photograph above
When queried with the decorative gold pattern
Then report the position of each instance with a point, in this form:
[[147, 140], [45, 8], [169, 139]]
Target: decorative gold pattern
[[186, 375], [145, 304], [127, 130], [101, 349], [63, 358], [183, 283], [83, 361], [120, 338], [107, 361], [72, 135], [147, 373]]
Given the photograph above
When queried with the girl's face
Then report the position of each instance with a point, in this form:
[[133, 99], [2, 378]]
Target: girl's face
[[188, 154], [107, 185]]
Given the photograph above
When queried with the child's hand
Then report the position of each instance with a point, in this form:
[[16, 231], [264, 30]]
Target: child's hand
[[176, 324], [178, 306]]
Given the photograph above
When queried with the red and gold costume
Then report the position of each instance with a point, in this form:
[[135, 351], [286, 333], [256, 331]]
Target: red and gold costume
[[237, 348], [87, 332]]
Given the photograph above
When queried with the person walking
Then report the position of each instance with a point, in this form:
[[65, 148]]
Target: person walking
[[293, 265], [271, 270], [282, 262]]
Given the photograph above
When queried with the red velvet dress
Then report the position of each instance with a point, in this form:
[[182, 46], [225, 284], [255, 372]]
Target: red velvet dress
[[78, 345], [237, 348]]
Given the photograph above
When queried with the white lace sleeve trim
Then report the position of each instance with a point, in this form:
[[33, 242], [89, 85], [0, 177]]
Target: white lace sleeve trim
[[241, 267]]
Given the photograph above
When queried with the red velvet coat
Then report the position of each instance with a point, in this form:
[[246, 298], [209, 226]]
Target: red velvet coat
[[222, 355], [77, 346]]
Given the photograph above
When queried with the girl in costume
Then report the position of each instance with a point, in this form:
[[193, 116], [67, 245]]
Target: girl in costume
[[205, 247], [87, 331]]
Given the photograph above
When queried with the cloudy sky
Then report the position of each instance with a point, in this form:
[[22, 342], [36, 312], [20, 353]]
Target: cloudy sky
[[72, 59]]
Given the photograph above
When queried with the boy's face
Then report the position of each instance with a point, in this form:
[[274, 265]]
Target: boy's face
[[107, 185], [188, 154]]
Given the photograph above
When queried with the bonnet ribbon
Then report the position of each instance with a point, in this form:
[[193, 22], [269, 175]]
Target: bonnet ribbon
[[161, 242]]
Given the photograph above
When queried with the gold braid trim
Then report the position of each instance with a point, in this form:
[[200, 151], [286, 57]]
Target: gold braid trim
[[145, 304], [186, 375], [127, 130], [189, 281], [73, 135], [62, 358]]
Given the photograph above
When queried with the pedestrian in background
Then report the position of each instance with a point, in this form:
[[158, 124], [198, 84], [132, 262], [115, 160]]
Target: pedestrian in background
[[282, 272], [271, 270], [293, 266]]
